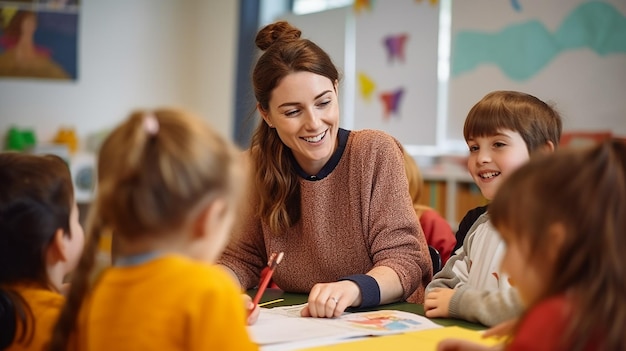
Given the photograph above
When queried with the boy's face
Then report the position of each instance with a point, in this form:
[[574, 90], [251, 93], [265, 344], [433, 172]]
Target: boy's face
[[493, 158]]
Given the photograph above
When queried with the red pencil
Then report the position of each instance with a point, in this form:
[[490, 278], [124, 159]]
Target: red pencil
[[272, 263]]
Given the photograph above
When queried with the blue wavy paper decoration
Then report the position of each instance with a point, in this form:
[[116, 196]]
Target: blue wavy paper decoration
[[523, 50]]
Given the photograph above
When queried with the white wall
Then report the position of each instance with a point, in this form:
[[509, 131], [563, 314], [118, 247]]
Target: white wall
[[135, 54], [216, 34]]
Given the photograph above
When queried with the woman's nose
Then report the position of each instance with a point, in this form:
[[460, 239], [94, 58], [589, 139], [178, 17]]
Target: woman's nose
[[312, 120]]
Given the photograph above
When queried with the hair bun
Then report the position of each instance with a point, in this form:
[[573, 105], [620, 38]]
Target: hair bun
[[277, 31]]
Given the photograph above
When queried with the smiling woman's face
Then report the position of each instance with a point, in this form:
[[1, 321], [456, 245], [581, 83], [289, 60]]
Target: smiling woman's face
[[304, 109]]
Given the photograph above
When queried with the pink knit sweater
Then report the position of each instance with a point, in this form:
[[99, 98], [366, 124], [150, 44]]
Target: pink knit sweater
[[359, 217]]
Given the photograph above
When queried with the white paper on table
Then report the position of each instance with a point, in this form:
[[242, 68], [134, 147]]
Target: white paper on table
[[282, 328]]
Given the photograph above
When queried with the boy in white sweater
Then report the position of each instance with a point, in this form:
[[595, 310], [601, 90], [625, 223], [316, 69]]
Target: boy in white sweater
[[503, 130]]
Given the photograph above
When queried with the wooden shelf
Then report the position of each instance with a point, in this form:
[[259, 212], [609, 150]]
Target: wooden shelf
[[451, 186]]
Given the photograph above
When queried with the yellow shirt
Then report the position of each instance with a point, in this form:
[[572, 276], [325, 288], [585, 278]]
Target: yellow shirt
[[45, 306], [168, 303]]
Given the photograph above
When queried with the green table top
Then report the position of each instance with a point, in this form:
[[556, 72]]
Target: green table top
[[295, 299]]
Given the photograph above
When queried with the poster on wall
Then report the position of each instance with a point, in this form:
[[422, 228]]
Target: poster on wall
[[38, 39], [569, 53]]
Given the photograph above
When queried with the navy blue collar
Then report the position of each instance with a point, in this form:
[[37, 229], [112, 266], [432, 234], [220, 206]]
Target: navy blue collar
[[342, 138]]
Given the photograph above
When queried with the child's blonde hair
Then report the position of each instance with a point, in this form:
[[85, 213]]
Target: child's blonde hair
[[585, 192], [533, 119], [153, 170], [416, 182]]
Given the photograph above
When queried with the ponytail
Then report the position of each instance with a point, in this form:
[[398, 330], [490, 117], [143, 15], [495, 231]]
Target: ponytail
[[152, 170], [277, 184]]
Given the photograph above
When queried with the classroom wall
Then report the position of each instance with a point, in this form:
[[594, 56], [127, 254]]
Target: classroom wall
[[140, 53], [570, 53], [575, 49]]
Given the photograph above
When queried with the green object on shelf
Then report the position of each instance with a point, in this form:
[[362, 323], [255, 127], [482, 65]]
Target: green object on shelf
[[20, 140]]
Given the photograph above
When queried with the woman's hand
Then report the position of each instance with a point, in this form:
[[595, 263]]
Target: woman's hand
[[327, 300], [437, 303], [252, 310]]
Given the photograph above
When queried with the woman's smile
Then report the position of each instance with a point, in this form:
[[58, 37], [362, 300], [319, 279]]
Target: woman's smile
[[315, 139]]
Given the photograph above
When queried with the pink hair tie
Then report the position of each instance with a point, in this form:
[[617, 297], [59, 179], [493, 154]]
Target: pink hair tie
[[151, 124]]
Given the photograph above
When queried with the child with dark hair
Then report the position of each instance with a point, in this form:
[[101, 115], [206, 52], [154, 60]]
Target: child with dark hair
[[41, 241]]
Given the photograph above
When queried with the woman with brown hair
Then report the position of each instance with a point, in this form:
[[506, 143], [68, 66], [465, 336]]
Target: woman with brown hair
[[333, 200]]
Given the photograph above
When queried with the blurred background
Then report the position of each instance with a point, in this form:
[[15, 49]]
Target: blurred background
[[412, 68]]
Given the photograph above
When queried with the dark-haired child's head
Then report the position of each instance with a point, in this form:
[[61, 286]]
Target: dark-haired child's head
[[39, 224]]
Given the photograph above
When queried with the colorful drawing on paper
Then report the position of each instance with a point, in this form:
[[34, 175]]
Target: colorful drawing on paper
[[395, 45], [367, 86], [382, 321], [39, 40], [523, 50], [391, 102], [360, 5]]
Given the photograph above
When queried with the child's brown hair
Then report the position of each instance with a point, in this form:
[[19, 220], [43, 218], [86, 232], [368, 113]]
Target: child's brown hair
[[585, 192], [533, 119]]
